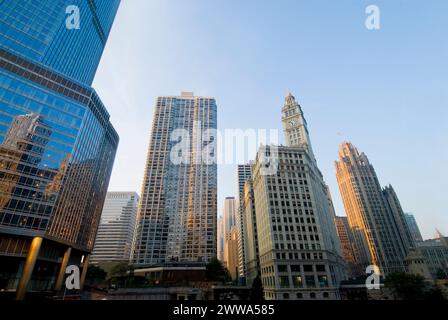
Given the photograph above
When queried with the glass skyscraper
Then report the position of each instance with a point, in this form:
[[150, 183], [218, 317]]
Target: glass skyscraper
[[37, 30], [57, 145]]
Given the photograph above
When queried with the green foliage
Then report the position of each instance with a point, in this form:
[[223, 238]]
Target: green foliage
[[121, 269], [217, 272], [406, 286], [95, 273]]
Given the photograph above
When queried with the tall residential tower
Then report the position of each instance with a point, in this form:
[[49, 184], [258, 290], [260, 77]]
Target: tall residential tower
[[177, 211]]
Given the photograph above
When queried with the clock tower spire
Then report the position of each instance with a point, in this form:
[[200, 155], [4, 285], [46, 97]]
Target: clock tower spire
[[295, 127]]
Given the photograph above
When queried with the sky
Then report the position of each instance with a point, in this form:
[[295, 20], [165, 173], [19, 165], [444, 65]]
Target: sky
[[383, 90]]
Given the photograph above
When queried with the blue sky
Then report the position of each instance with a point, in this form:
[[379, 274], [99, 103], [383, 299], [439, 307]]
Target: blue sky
[[384, 90]]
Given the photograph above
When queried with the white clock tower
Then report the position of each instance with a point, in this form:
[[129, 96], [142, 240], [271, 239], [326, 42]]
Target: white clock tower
[[294, 125]]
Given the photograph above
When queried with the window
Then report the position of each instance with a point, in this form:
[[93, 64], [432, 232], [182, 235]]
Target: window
[[286, 296], [299, 295], [323, 281], [297, 281], [326, 295], [320, 268], [310, 282], [313, 295], [295, 268], [284, 281], [282, 268], [308, 268]]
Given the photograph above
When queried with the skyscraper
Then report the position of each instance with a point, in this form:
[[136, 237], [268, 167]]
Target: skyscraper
[[377, 229], [400, 220], [54, 41], [299, 251], [346, 238], [252, 257], [243, 174], [115, 235], [220, 238], [230, 232], [57, 145], [413, 227], [229, 214], [177, 210]]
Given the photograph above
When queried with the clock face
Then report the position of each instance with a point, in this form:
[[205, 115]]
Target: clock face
[[292, 122]]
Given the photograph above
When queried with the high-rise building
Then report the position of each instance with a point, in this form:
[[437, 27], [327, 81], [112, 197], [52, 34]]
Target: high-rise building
[[46, 32], [375, 227], [229, 214], [348, 252], [231, 251], [177, 210], [115, 235], [413, 227], [243, 174], [220, 238], [230, 232], [57, 145], [252, 257], [400, 220], [299, 251]]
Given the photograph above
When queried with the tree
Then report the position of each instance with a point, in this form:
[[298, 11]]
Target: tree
[[95, 274], [215, 271], [121, 269], [406, 286], [256, 292]]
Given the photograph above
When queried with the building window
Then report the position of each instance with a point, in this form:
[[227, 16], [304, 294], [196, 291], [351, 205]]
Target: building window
[[297, 281], [310, 282], [284, 281]]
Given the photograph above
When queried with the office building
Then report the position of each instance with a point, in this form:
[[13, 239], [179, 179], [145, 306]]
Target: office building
[[115, 235], [347, 246], [377, 227], [220, 238], [413, 227], [252, 257], [435, 253], [178, 205], [57, 145], [299, 251], [230, 232], [243, 174]]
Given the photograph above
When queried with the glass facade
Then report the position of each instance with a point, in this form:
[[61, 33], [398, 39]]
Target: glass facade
[[56, 153], [37, 30], [57, 145]]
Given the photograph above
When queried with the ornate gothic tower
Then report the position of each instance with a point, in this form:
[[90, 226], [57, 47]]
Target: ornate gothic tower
[[295, 127]]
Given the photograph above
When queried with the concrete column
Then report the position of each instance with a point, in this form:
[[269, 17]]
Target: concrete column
[[29, 267], [84, 271], [61, 274]]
